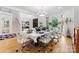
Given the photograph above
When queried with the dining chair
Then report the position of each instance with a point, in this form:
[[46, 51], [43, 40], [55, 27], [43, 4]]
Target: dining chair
[[54, 37], [23, 40], [45, 39]]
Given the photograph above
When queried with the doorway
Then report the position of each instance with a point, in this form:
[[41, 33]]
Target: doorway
[[35, 22]]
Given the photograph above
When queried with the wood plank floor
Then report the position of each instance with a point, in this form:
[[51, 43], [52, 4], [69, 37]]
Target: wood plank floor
[[9, 46], [63, 46]]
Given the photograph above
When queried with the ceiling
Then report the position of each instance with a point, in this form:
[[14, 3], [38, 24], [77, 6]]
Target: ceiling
[[50, 10]]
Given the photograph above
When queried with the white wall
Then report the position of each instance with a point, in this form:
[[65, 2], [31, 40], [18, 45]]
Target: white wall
[[70, 14], [76, 17], [42, 19], [26, 17], [14, 26], [16, 19], [15, 22]]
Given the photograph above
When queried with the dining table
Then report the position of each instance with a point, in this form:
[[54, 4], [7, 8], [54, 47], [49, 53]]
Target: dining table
[[35, 35]]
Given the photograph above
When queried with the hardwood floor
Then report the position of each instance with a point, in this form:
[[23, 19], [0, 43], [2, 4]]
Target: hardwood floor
[[9, 46], [63, 46]]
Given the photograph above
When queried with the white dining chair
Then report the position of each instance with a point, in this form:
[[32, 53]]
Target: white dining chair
[[23, 40], [45, 39], [54, 36]]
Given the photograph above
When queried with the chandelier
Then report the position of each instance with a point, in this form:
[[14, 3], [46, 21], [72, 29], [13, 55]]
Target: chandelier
[[42, 12]]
